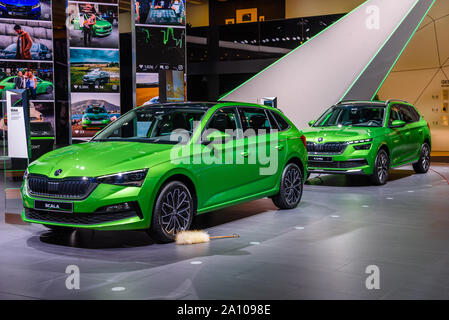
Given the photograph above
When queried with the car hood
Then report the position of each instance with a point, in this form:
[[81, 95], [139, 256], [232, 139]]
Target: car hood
[[340, 134], [102, 23], [95, 159]]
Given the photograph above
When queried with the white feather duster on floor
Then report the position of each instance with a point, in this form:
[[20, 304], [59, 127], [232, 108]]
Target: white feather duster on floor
[[197, 236]]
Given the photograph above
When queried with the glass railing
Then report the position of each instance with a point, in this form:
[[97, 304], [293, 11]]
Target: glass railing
[[257, 40]]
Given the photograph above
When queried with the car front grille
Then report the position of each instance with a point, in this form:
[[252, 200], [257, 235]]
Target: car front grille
[[77, 218], [18, 8], [328, 147], [69, 188], [338, 164]]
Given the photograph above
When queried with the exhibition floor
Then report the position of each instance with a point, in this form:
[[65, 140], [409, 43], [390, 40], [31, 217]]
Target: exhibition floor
[[319, 250]]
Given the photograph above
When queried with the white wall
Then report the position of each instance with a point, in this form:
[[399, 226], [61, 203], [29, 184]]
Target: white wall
[[418, 74]]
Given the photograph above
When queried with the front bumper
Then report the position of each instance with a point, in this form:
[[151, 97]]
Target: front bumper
[[351, 161], [20, 12], [90, 81], [102, 32], [86, 212], [90, 123]]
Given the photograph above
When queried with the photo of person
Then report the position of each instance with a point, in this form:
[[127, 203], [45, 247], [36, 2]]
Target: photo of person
[[172, 12], [27, 40], [36, 78], [93, 25]]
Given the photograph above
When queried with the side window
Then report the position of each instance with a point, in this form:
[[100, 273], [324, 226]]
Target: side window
[[406, 114], [394, 114], [283, 125], [414, 113], [254, 119], [223, 119]]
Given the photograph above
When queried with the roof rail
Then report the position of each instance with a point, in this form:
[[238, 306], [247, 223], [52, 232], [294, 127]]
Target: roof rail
[[343, 101], [397, 100]]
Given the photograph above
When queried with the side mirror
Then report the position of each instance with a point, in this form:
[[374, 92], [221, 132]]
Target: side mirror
[[311, 123], [398, 124], [217, 137]]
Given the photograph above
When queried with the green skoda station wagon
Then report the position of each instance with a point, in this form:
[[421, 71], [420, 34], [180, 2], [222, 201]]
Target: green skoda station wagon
[[158, 166], [368, 137]]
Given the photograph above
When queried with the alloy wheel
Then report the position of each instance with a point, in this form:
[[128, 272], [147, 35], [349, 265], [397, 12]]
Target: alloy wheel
[[292, 185], [175, 211], [382, 167], [425, 157]]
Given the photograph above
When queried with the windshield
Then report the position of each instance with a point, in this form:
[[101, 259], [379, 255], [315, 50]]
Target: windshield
[[95, 110], [153, 125], [352, 115]]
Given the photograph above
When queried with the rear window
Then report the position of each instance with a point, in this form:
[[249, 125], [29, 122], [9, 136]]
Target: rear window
[[414, 113], [282, 124]]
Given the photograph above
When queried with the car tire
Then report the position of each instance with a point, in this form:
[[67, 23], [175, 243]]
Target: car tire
[[59, 229], [290, 189], [423, 164], [49, 89], [381, 168], [173, 211]]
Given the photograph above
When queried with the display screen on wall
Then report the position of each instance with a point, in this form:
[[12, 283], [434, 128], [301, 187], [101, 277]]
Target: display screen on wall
[[160, 51], [94, 66], [26, 57]]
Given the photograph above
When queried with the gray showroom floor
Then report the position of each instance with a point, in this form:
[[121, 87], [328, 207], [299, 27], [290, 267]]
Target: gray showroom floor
[[318, 251]]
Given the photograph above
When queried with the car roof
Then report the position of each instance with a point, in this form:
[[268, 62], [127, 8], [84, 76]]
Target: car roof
[[360, 103], [202, 105]]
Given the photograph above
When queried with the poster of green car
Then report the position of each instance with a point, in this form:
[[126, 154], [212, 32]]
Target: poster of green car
[[94, 70]]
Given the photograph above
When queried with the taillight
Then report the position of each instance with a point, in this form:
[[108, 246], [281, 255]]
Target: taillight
[[303, 139]]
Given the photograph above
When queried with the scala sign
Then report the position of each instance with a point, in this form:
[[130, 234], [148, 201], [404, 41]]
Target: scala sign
[[18, 124]]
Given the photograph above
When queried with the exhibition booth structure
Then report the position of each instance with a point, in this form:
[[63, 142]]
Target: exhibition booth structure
[[307, 179]]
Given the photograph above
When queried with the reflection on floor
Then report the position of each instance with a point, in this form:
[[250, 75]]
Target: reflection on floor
[[319, 250]]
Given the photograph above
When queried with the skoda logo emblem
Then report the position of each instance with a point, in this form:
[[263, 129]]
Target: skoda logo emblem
[[58, 172], [320, 139]]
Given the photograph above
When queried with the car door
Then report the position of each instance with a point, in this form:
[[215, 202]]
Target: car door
[[263, 147], [220, 178], [397, 137], [410, 131], [415, 129]]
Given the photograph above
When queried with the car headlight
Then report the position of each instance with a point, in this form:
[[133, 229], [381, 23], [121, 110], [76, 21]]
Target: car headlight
[[36, 6], [86, 118], [365, 146], [359, 141], [25, 175], [131, 178]]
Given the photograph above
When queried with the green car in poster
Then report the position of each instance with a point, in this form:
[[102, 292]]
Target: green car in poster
[[364, 137], [101, 28], [158, 166], [42, 85], [95, 117]]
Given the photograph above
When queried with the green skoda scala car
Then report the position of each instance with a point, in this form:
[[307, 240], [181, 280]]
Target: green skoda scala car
[[364, 137], [158, 166]]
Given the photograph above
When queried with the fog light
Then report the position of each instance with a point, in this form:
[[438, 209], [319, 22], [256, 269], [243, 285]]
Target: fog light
[[118, 208]]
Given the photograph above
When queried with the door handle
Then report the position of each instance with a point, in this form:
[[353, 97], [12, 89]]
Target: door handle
[[280, 148], [245, 154]]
